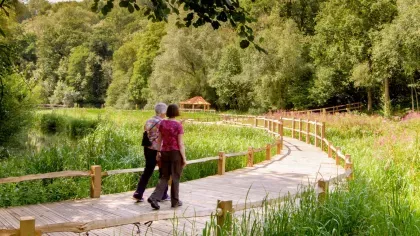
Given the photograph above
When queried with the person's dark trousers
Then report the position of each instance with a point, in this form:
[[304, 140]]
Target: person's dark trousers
[[150, 156], [171, 166]]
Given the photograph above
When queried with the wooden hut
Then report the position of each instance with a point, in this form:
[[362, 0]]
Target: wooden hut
[[195, 103]]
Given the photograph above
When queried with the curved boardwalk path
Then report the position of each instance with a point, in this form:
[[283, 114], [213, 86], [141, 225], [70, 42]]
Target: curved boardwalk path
[[298, 164]]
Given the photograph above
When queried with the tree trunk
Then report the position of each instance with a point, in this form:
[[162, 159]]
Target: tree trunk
[[387, 102], [370, 102], [412, 99]]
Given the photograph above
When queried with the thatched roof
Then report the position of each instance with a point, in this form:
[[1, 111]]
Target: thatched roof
[[195, 101]]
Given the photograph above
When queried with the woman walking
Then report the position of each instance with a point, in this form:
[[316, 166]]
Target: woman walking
[[150, 152], [171, 154]]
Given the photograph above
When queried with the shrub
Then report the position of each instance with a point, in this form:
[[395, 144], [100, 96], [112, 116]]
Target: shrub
[[52, 123], [77, 128]]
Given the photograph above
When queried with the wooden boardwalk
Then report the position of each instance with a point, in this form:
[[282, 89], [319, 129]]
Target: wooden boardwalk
[[299, 164]]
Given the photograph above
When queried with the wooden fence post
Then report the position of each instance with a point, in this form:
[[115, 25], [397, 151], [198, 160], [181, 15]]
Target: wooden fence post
[[316, 133], [250, 157], [322, 135], [300, 129], [337, 158], [265, 123], [279, 144], [329, 150], [293, 127], [324, 186], [255, 122], [308, 137], [349, 166], [27, 226], [268, 152], [221, 164], [95, 182], [224, 215]]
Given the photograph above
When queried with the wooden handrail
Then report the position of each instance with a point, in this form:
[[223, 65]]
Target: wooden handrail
[[95, 174]]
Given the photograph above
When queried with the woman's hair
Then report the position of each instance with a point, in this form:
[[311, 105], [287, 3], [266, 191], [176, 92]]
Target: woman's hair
[[160, 108], [173, 111]]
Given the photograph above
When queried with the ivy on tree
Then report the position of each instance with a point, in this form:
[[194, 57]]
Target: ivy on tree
[[211, 12]]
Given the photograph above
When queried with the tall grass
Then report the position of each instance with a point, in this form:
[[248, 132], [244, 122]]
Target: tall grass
[[113, 144]]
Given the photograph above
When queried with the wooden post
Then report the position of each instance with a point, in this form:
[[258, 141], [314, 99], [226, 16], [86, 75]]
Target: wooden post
[[322, 135], [95, 182], [279, 144], [316, 133], [308, 138], [221, 163], [265, 123], [329, 150], [255, 122], [324, 186], [27, 226], [349, 166], [137, 107], [300, 129], [250, 157], [293, 127], [224, 215], [337, 158], [268, 152]]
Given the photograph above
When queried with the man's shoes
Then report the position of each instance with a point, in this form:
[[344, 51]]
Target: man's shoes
[[165, 198], [153, 203], [138, 198], [177, 205]]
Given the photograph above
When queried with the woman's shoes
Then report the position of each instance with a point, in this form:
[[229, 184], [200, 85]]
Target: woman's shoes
[[165, 198], [177, 205], [153, 203]]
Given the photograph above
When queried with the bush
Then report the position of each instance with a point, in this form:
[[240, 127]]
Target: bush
[[15, 107], [70, 126], [79, 128], [52, 124]]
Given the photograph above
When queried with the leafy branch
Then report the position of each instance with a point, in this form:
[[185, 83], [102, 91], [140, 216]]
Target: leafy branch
[[213, 12]]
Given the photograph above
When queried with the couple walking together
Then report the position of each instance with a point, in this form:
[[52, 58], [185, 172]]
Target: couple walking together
[[167, 149]]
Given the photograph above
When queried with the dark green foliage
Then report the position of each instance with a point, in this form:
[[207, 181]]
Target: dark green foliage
[[52, 124], [70, 126]]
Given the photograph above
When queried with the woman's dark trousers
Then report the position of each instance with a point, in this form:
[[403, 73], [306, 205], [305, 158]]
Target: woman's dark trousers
[[171, 166]]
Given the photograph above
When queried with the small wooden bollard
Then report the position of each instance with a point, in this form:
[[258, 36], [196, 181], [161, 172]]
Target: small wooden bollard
[[268, 152], [250, 162], [324, 186], [322, 135], [308, 137], [279, 144], [300, 129], [27, 226], [293, 127], [337, 158], [95, 182], [221, 163], [224, 215]]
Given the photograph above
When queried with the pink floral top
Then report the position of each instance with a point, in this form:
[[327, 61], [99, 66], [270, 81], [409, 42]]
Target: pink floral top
[[170, 129]]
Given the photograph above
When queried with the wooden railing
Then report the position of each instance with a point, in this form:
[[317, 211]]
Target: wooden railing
[[298, 128], [197, 110], [326, 110]]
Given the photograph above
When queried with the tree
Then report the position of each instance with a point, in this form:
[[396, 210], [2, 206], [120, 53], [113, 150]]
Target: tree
[[343, 41], [149, 44], [184, 67]]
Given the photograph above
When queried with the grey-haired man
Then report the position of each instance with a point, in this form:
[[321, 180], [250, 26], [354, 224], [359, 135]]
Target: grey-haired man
[[152, 127]]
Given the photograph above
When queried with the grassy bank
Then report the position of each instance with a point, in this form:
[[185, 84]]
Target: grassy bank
[[114, 143]]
